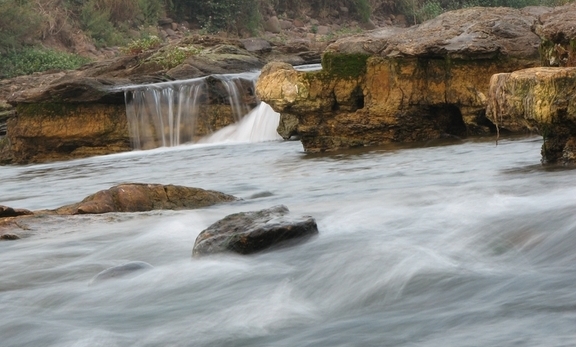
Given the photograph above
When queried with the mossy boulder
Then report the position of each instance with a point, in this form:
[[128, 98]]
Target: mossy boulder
[[540, 100]]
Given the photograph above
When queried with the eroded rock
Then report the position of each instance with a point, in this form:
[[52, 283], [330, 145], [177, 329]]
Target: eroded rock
[[250, 232], [403, 84], [558, 33], [6, 211], [539, 100], [145, 197]]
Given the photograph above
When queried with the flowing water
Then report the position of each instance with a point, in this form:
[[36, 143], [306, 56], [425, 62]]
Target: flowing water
[[460, 244]]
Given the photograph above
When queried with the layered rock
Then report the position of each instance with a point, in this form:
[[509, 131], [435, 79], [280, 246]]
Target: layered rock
[[395, 84], [558, 33], [540, 100], [55, 131], [250, 232], [145, 197], [81, 113]]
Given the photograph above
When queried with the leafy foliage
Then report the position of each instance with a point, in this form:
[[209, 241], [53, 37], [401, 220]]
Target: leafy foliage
[[19, 23], [29, 60], [142, 45], [173, 56]]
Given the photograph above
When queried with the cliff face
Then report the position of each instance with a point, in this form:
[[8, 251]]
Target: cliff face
[[52, 131], [396, 84]]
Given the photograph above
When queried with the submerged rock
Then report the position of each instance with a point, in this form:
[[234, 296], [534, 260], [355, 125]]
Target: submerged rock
[[137, 197], [540, 100], [250, 232], [6, 211], [127, 270]]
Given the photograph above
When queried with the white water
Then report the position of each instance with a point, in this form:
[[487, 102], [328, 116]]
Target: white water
[[469, 244], [166, 114]]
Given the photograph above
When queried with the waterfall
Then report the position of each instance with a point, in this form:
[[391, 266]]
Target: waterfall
[[172, 113]]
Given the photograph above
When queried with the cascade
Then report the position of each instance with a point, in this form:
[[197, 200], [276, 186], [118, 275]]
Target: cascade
[[211, 109], [172, 113]]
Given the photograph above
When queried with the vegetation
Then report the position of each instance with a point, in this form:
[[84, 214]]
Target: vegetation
[[28, 60], [25, 24]]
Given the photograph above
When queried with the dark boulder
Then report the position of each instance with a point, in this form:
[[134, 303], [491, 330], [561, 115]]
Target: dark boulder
[[250, 232], [6, 211]]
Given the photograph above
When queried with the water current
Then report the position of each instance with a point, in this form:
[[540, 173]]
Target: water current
[[441, 244]]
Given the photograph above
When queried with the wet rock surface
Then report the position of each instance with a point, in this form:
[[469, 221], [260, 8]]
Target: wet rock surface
[[6, 211], [145, 197], [251, 232], [128, 270], [538, 100]]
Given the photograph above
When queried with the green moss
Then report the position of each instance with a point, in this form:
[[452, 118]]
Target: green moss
[[344, 65], [46, 109]]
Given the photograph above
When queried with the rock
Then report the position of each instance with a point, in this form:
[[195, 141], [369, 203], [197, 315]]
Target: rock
[[250, 232], [323, 30], [256, 45], [298, 23], [285, 24], [184, 71], [6, 211], [538, 100], [74, 114], [404, 84], [368, 25], [145, 197], [273, 25], [9, 237], [127, 270], [558, 33], [56, 131]]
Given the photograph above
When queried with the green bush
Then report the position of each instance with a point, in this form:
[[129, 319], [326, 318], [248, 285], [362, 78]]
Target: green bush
[[19, 22], [141, 45], [96, 21], [362, 9], [430, 9], [29, 60], [151, 10]]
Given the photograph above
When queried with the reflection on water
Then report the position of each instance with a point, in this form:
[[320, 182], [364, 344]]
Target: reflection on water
[[466, 244]]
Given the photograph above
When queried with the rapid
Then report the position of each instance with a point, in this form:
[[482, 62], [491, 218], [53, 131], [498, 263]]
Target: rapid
[[464, 243]]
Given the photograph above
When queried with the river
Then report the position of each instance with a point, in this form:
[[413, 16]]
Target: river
[[458, 244]]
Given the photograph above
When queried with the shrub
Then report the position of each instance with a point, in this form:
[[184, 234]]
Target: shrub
[[362, 9], [97, 23], [430, 9], [151, 10], [18, 23], [29, 60], [171, 57], [141, 45]]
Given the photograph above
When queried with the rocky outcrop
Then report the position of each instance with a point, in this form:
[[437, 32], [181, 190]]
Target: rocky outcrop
[[56, 131], [403, 85], [250, 232], [145, 197], [558, 33], [81, 113], [540, 100]]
